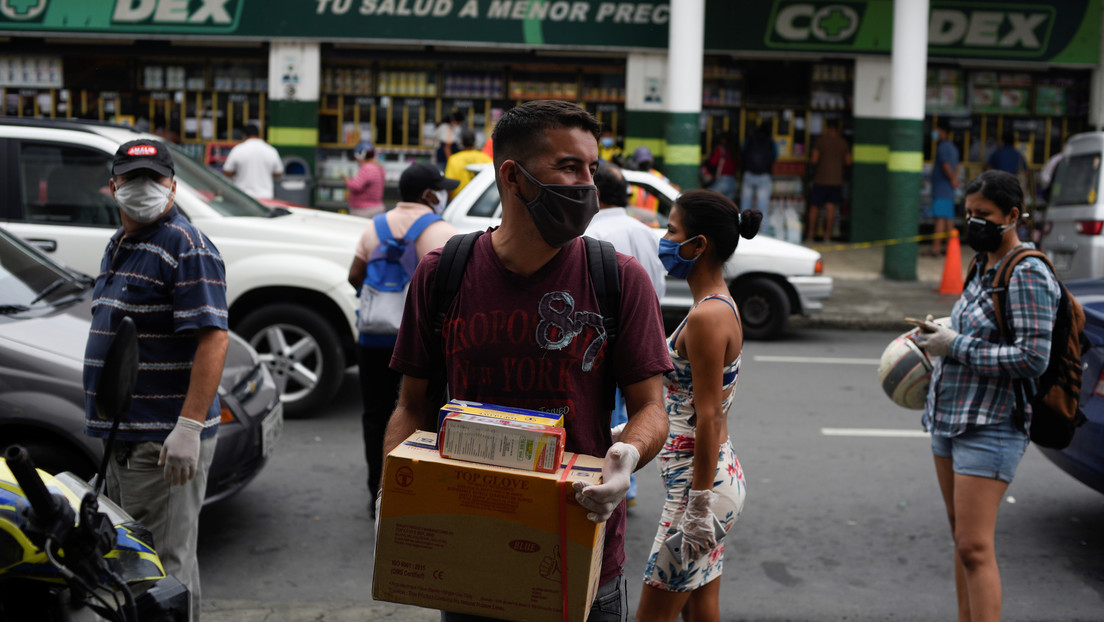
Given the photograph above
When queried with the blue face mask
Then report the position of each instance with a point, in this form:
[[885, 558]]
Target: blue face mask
[[675, 264], [607, 142]]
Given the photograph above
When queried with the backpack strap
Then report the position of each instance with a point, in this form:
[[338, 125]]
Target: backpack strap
[[1004, 277], [419, 226], [383, 232], [1020, 387], [606, 280], [446, 284]]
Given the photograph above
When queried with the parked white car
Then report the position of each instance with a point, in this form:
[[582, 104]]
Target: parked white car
[[769, 279], [286, 269]]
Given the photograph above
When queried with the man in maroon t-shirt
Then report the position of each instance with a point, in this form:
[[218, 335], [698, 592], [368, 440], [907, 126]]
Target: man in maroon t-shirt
[[526, 330]]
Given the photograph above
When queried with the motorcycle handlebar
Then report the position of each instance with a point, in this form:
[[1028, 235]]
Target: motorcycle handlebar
[[43, 503]]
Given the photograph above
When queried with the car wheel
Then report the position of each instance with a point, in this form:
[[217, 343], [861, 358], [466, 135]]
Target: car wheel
[[301, 350], [764, 307], [57, 456]]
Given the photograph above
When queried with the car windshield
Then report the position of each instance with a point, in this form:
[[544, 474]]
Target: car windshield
[[27, 278], [1076, 180], [217, 191]]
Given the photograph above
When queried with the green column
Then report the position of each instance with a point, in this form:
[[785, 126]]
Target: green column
[[869, 156], [293, 128], [905, 166], [646, 128], [683, 156]]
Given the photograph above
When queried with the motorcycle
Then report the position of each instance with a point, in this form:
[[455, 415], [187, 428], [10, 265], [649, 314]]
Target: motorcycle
[[67, 552]]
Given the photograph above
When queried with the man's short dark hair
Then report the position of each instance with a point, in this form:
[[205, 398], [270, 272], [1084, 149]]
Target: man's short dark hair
[[944, 125], [519, 134], [612, 187], [251, 131], [467, 138]]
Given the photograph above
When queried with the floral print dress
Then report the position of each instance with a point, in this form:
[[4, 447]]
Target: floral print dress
[[676, 466]]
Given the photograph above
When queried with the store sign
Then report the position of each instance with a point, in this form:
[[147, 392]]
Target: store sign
[[995, 31], [804, 25], [150, 16]]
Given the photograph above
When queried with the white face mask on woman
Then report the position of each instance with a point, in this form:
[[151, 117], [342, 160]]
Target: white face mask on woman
[[142, 199]]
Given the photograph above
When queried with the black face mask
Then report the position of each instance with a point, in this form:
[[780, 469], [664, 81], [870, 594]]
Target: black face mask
[[984, 235], [561, 212]]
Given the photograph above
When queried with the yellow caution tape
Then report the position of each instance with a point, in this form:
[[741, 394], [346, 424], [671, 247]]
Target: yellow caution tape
[[915, 238]]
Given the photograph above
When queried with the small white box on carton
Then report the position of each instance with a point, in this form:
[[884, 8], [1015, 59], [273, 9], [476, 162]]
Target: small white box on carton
[[502, 442]]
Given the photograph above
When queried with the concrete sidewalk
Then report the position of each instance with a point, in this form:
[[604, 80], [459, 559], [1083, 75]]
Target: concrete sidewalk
[[863, 299]]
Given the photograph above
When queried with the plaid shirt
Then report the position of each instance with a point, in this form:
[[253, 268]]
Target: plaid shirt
[[972, 385]]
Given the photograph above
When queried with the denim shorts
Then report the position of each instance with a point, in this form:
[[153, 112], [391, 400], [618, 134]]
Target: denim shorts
[[943, 208], [992, 451]]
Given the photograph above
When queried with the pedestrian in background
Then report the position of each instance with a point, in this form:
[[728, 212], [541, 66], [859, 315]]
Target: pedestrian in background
[[545, 154], [719, 170], [630, 236], [254, 164], [608, 147], [169, 278], [457, 167], [1007, 158], [944, 180], [366, 187], [831, 155], [977, 438], [423, 191], [698, 464], [644, 161], [447, 138], [758, 156]]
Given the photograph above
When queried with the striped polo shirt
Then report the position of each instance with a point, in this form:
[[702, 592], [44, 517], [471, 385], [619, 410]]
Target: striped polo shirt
[[170, 279]]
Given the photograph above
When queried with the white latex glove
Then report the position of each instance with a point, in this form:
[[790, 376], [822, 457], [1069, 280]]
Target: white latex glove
[[180, 453], [601, 499], [938, 341], [616, 431], [698, 537]]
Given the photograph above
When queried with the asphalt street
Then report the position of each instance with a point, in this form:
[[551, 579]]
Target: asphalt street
[[843, 518]]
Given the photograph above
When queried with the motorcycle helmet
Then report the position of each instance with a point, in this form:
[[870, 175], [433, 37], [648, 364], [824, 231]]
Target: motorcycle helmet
[[364, 149], [905, 372]]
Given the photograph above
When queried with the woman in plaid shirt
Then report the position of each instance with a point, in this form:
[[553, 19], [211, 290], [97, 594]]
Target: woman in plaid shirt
[[977, 440]]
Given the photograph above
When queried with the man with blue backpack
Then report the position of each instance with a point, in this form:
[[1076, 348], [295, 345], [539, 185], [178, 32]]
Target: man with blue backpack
[[385, 258]]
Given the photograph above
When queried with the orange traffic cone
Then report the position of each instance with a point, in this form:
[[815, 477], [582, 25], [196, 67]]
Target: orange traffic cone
[[952, 267]]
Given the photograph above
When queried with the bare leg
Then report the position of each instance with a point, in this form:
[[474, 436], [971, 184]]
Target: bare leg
[[810, 230], [977, 500], [945, 473], [829, 219], [705, 603], [942, 225], [658, 605]]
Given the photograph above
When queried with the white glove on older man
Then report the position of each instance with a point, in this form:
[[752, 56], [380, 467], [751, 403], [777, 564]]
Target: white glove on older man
[[937, 342], [180, 452], [601, 499]]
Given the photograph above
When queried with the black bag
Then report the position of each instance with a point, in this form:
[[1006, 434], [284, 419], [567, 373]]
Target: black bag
[[1055, 405]]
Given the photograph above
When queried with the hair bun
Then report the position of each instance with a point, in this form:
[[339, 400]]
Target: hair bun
[[748, 222]]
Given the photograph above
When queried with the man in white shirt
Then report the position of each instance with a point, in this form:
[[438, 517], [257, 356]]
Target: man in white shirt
[[627, 234], [253, 164]]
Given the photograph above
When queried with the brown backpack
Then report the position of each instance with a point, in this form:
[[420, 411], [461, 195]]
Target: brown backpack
[[1055, 405]]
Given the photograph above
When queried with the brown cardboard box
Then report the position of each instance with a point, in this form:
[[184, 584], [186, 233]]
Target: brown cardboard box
[[485, 540]]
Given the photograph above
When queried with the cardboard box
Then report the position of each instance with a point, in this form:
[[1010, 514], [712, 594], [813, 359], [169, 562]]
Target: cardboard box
[[502, 442], [500, 412], [485, 540]]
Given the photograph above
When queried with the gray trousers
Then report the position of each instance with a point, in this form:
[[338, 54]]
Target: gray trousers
[[171, 513]]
